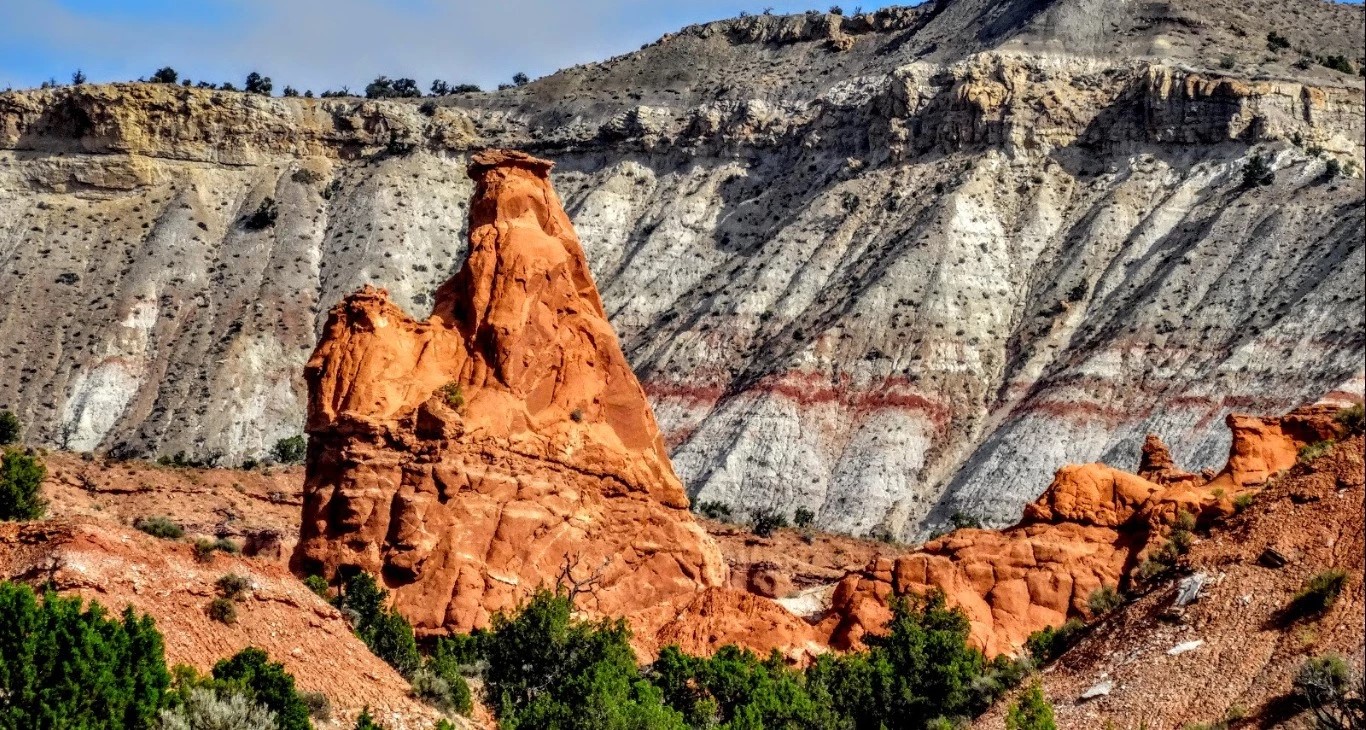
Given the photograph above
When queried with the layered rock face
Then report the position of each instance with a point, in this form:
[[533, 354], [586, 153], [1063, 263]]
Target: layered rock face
[[471, 457], [1092, 527], [886, 267]]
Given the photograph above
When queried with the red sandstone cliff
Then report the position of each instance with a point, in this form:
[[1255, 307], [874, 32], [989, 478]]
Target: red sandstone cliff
[[466, 458], [1092, 527]]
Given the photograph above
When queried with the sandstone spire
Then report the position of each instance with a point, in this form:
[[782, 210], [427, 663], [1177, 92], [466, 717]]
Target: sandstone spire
[[465, 458]]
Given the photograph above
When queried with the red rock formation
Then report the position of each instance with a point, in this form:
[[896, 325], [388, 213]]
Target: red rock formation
[[720, 616], [466, 457], [1155, 464], [1091, 527]]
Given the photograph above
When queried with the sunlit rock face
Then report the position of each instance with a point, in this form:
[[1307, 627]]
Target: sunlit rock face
[[470, 457]]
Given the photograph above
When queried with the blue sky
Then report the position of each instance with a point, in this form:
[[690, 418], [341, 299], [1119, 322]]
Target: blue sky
[[319, 44]]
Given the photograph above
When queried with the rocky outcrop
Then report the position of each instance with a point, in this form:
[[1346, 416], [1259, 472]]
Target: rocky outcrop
[[475, 456], [1091, 528], [1240, 653]]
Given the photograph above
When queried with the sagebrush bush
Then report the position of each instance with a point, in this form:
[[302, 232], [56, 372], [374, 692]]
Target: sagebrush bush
[[162, 527], [223, 610], [233, 587], [266, 683], [319, 707], [1104, 600], [207, 709], [1352, 420], [1309, 452], [1318, 594], [1325, 686]]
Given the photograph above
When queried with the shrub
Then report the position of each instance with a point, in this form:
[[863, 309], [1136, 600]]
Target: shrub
[[714, 510], [165, 75], [264, 217], [1243, 501], [1318, 594], [385, 88], [1332, 168], [803, 517], [203, 550], [1257, 173], [447, 662], [251, 672], [319, 707], [453, 394], [388, 634], [366, 721], [224, 545], [448, 692], [466, 89], [1352, 420], [922, 668], [1310, 452], [77, 77], [1227, 62], [1104, 600], [1324, 685], [223, 610], [289, 92], [10, 428], [306, 176], [836, 10], [1049, 643], [318, 585], [233, 587], [735, 688], [549, 670], [291, 450], [258, 84], [1337, 63], [460, 650], [962, 520], [441, 88], [1276, 42], [207, 709], [766, 522], [162, 527], [1031, 711], [66, 665], [520, 79], [21, 481]]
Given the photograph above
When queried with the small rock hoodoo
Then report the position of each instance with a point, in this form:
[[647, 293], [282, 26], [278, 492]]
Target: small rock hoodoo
[[471, 457]]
